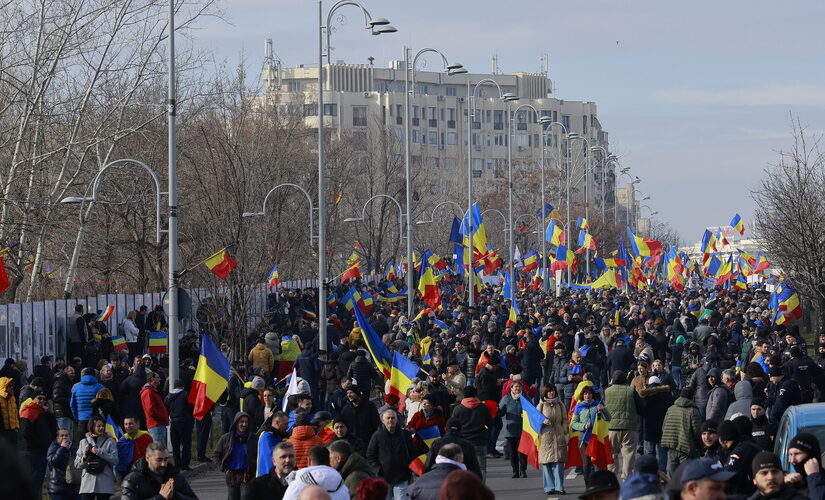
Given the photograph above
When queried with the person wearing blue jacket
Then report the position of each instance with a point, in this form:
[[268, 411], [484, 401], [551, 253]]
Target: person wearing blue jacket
[[81, 400]]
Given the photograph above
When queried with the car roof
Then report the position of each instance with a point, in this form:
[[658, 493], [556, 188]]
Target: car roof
[[807, 415]]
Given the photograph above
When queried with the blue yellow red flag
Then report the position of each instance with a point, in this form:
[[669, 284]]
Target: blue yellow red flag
[[211, 378]]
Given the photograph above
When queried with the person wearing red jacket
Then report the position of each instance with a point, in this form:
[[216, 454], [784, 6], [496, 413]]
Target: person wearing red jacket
[[428, 416], [154, 409]]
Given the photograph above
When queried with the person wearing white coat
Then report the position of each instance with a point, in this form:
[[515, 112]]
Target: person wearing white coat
[[98, 486], [130, 334]]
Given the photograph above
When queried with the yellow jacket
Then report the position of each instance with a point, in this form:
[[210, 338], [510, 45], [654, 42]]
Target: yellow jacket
[[261, 357], [9, 419]]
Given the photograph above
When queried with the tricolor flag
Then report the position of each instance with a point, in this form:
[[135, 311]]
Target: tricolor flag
[[221, 263], [119, 343], [112, 428], [158, 342], [106, 314], [428, 435], [417, 465], [211, 378], [531, 261], [644, 247], [428, 287], [401, 374], [273, 278], [582, 223], [380, 353], [531, 421], [737, 224], [554, 234]]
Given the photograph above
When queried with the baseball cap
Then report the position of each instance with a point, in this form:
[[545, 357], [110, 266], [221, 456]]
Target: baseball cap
[[705, 468]]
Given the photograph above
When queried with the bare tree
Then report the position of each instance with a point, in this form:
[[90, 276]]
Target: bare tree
[[790, 217]]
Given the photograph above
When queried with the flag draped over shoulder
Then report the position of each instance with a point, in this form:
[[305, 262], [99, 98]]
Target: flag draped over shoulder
[[531, 421], [211, 378]]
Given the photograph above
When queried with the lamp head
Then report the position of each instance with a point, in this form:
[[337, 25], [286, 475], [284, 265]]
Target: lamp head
[[544, 120], [378, 21], [386, 29], [509, 97], [353, 219], [252, 214], [76, 199], [423, 222], [457, 71]]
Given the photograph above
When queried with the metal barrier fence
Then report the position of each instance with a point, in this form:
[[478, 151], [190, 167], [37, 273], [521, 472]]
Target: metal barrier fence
[[34, 329]]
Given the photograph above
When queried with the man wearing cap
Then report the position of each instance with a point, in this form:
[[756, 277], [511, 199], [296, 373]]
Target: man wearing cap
[[360, 415], [641, 485], [704, 479], [803, 455], [782, 394], [741, 455], [710, 442], [603, 485], [761, 432], [770, 479]]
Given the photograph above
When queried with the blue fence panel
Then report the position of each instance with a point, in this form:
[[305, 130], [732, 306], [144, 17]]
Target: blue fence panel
[[38, 332], [15, 318]]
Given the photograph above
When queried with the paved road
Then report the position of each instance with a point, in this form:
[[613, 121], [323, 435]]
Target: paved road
[[210, 485]]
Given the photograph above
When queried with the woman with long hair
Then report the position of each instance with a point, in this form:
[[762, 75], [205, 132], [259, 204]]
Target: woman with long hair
[[553, 440], [104, 405]]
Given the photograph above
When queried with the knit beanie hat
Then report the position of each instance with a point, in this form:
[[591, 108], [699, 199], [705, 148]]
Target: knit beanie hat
[[728, 431], [710, 426], [807, 443]]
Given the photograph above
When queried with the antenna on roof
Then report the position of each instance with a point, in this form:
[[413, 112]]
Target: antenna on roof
[[272, 67]]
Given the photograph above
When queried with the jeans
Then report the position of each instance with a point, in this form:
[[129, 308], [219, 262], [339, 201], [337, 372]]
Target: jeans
[[66, 423], [552, 476], [660, 454], [158, 434], [37, 465], [204, 428], [180, 433], [398, 491], [676, 373], [236, 489], [471, 381], [481, 454], [674, 458]]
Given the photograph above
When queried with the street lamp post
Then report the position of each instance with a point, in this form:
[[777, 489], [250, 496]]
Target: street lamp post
[[503, 219], [624, 171], [409, 74], [436, 207], [262, 213], [549, 127], [172, 200], [587, 169], [505, 96], [84, 215], [376, 26], [400, 218], [633, 195]]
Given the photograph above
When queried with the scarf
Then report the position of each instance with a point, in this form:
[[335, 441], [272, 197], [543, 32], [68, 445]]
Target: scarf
[[444, 460]]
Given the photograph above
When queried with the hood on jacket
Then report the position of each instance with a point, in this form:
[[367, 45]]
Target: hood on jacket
[[303, 432], [238, 417], [4, 387], [743, 390], [684, 402], [470, 402], [260, 347], [88, 380], [355, 463]]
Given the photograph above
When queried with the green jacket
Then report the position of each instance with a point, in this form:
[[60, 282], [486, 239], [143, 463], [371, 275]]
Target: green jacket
[[681, 429], [583, 417], [624, 404]]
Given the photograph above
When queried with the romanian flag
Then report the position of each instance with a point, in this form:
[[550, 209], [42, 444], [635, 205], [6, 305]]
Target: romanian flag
[[761, 264], [389, 271], [417, 465], [479, 236], [531, 261], [582, 223], [273, 279], [586, 240], [221, 263], [514, 313], [531, 421], [428, 287], [309, 314], [565, 254], [554, 234], [402, 372], [290, 350], [428, 435], [112, 428], [737, 224], [106, 314], [158, 342], [353, 268], [709, 242], [644, 247], [119, 343], [750, 259], [596, 438], [603, 264], [423, 313], [211, 378], [606, 280], [741, 283], [544, 214], [425, 344], [380, 353]]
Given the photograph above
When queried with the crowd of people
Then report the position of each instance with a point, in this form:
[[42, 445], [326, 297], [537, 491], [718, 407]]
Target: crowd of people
[[691, 387]]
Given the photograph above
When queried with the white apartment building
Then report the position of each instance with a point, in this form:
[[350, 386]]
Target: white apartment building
[[360, 98]]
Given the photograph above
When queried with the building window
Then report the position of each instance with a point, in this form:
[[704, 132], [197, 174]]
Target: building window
[[330, 110], [433, 162], [449, 164], [431, 113], [422, 89], [565, 121], [584, 124], [498, 139], [451, 138], [294, 86], [310, 110], [359, 141], [359, 116], [416, 136], [522, 140], [432, 137], [450, 91]]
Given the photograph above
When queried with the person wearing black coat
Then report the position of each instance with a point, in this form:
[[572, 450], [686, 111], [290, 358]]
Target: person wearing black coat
[[58, 456], [428, 486], [531, 360], [782, 394], [452, 436], [360, 415], [655, 408], [61, 396], [390, 451], [363, 373], [129, 392], [620, 358], [37, 426], [181, 423], [149, 475]]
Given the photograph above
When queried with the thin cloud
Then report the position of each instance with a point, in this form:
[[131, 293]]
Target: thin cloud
[[765, 95]]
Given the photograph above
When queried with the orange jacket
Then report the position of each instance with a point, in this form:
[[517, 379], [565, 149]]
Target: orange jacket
[[303, 438]]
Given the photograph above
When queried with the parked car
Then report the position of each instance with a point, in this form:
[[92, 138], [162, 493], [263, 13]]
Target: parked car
[[808, 418]]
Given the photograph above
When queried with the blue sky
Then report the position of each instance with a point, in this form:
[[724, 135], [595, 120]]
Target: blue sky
[[696, 96]]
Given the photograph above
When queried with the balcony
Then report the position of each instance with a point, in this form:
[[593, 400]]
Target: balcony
[[450, 123], [476, 125], [498, 126], [432, 123], [416, 122]]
